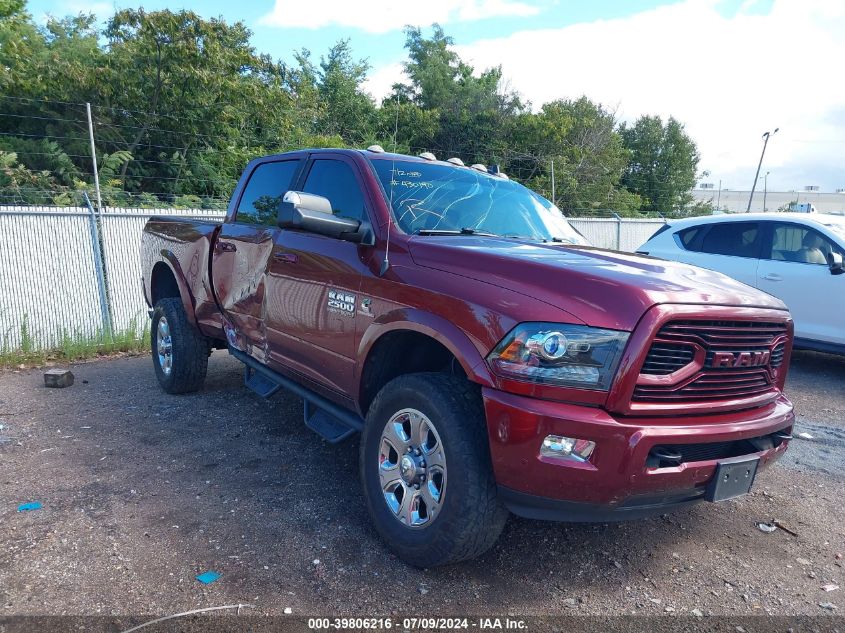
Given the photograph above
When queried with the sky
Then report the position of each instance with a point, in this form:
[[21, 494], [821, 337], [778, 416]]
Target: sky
[[729, 70]]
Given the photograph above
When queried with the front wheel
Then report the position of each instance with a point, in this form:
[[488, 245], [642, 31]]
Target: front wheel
[[180, 352], [426, 472]]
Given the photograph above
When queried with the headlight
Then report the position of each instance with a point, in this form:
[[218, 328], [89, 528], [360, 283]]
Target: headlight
[[557, 354]]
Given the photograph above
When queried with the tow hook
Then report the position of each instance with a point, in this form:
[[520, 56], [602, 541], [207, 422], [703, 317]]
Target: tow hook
[[780, 437], [665, 456]]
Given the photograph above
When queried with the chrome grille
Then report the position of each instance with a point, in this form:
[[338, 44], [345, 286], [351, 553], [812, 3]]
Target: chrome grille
[[708, 386], [777, 355], [665, 358], [674, 348], [724, 334]]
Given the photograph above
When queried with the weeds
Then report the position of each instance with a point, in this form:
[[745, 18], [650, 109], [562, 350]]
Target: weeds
[[72, 346]]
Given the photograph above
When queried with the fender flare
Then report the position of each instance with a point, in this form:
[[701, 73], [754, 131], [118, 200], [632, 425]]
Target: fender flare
[[170, 260], [459, 344]]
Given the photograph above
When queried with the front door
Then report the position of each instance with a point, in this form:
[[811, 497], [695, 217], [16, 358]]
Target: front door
[[242, 251], [794, 269], [314, 282]]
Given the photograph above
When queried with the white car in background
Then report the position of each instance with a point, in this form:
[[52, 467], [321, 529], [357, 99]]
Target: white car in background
[[794, 256]]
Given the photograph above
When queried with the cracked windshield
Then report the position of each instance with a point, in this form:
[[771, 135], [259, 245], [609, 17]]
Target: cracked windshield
[[431, 198]]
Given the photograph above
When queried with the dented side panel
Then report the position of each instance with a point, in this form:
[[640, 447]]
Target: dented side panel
[[184, 246], [239, 271]]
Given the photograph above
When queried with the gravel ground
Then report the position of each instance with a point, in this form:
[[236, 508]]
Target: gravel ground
[[142, 491]]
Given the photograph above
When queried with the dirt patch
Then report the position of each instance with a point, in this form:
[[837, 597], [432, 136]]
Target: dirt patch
[[141, 491]]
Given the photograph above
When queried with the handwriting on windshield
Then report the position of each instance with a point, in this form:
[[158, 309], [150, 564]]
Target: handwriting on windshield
[[403, 172], [412, 184], [404, 178]]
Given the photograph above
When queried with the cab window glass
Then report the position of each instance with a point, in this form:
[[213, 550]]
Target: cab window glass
[[687, 237], [738, 239], [793, 243], [267, 185], [335, 180]]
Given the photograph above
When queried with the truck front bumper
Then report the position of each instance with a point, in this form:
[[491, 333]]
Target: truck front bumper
[[621, 480]]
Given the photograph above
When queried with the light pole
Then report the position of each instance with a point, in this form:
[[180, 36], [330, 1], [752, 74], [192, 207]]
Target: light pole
[[766, 136], [765, 188]]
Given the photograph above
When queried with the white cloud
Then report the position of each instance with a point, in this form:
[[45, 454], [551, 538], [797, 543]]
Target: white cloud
[[380, 83], [380, 16], [729, 79]]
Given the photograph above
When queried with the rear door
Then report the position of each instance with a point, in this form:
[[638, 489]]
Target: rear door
[[243, 247], [794, 269], [314, 283], [732, 248]]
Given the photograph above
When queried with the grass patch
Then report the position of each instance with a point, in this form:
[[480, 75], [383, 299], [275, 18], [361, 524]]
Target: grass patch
[[73, 346]]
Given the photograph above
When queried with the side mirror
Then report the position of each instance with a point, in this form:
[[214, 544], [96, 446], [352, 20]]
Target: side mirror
[[834, 262], [307, 212]]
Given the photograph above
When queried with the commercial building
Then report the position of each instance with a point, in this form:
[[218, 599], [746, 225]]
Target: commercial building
[[733, 201]]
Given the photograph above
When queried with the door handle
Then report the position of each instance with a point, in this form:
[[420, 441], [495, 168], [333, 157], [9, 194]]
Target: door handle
[[772, 277], [226, 247], [285, 258]]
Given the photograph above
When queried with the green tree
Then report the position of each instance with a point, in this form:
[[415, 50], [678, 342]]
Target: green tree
[[20, 41], [348, 111], [664, 161], [471, 108], [432, 67], [179, 86], [579, 139], [414, 127], [20, 185], [181, 103], [41, 69]]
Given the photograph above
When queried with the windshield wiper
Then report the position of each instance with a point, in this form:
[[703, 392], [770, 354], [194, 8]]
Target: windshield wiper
[[463, 231], [557, 240], [470, 231]]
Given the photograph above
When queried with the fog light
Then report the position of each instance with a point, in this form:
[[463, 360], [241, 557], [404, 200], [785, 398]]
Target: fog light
[[567, 448]]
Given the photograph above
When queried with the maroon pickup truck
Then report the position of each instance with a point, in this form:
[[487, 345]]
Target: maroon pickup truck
[[491, 361]]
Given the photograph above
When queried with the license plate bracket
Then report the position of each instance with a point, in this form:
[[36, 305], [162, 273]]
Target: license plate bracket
[[733, 478]]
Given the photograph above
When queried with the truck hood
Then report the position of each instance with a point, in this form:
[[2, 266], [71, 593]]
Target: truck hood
[[600, 288]]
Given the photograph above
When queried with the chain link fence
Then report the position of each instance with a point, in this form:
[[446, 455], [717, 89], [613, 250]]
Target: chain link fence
[[73, 272], [121, 240], [615, 233]]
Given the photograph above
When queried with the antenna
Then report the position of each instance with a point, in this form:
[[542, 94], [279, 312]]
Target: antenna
[[385, 263]]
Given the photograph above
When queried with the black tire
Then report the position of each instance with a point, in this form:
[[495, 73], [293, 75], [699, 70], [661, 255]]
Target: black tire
[[189, 349], [471, 517]]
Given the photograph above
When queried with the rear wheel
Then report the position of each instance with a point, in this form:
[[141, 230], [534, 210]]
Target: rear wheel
[[426, 472], [180, 352]]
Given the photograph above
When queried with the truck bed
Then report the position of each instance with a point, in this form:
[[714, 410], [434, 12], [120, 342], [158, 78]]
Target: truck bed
[[184, 246]]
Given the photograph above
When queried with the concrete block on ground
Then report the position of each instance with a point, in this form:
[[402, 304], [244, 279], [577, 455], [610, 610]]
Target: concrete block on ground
[[58, 378]]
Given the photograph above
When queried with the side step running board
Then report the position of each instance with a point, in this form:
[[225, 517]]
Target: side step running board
[[259, 383], [332, 422], [324, 424]]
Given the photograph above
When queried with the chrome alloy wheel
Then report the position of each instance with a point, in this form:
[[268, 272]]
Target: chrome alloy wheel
[[412, 468], [164, 346]]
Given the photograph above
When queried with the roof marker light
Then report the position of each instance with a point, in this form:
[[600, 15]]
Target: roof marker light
[[378, 149], [428, 156], [456, 161]]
